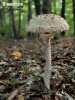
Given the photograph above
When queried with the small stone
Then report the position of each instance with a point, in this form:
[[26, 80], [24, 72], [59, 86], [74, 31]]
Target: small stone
[[14, 75], [4, 96], [1, 71], [71, 74], [2, 88]]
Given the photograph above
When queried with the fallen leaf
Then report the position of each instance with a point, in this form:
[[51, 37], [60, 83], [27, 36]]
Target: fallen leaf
[[60, 77], [66, 60], [16, 54], [68, 96], [13, 94], [20, 97], [53, 83], [73, 80], [67, 45], [60, 84], [36, 98], [21, 82]]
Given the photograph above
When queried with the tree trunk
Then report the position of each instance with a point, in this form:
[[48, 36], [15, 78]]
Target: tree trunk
[[29, 10], [13, 22], [19, 21], [37, 7], [55, 7], [63, 14], [2, 22], [46, 7], [74, 13], [19, 24], [29, 14]]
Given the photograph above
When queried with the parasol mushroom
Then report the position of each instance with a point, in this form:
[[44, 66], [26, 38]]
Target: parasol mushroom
[[47, 25]]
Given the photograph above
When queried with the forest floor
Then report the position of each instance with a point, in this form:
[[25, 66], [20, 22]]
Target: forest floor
[[22, 65]]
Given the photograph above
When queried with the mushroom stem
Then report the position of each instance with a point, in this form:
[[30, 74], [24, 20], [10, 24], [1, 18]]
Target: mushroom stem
[[48, 68]]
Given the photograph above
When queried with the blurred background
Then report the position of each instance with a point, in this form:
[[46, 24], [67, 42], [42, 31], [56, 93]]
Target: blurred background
[[13, 19]]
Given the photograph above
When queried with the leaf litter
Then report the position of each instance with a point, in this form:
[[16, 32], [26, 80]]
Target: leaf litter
[[22, 65]]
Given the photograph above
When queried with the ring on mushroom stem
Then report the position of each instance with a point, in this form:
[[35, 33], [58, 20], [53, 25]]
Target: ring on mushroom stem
[[47, 35], [48, 24]]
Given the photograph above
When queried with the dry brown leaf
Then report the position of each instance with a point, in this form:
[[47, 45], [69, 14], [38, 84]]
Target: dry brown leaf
[[35, 98], [66, 60], [73, 80], [20, 97], [67, 45], [16, 54], [68, 96], [60, 77], [53, 83], [13, 94], [21, 82], [60, 84], [1, 82]]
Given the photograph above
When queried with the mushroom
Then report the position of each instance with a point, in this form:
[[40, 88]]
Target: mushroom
[[47, 25]]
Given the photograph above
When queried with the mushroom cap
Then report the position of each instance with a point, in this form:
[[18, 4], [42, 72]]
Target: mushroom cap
[[47, 23]]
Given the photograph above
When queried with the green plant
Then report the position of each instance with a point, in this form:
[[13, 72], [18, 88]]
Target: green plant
[[13, 83], [25, 68], [36, 77]]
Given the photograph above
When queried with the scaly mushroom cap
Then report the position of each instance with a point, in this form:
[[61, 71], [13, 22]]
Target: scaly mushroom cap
[[47, 23]]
